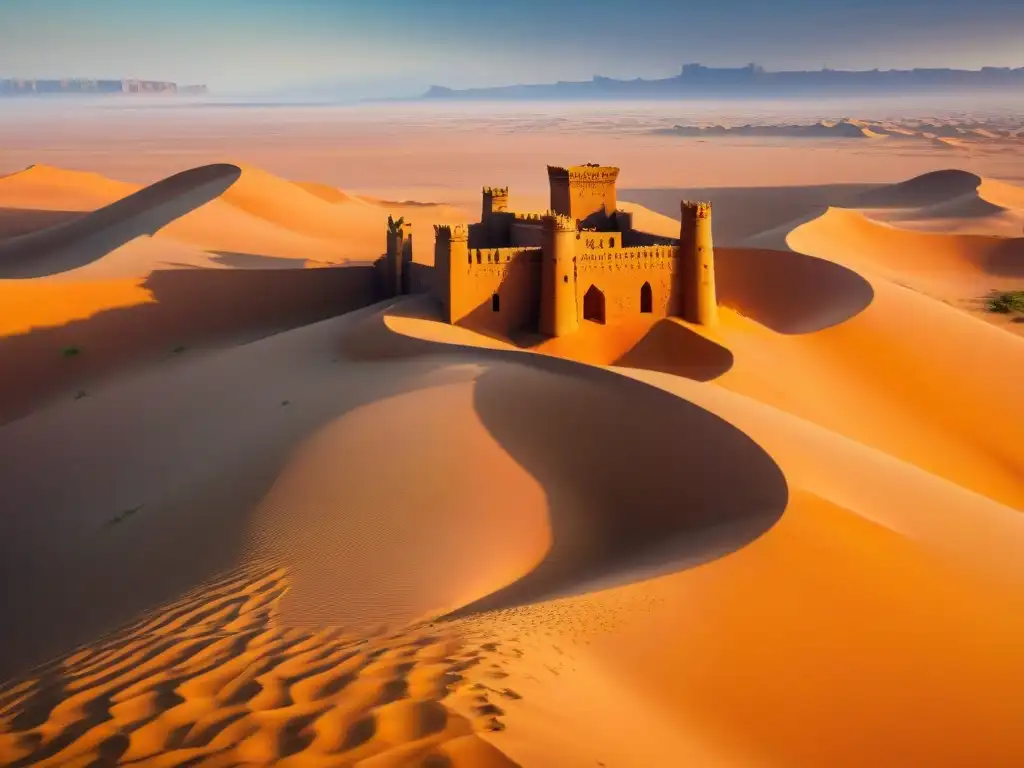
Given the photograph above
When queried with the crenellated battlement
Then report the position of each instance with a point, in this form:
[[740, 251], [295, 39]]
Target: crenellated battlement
[[571, 264], [451, 232], [639, 257], [558, 222], [483, 258], [590, 172], [695, 209]]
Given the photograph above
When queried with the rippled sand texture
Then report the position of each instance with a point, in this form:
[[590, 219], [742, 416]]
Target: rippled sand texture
[[251, 517], [214, 680]]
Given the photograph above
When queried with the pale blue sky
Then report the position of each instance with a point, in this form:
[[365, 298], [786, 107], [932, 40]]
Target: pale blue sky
[[404, 45]]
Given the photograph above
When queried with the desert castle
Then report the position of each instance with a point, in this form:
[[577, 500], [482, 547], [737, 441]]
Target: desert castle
[[582, 260]]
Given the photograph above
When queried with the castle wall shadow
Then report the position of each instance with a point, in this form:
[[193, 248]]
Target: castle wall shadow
[[189, 307]]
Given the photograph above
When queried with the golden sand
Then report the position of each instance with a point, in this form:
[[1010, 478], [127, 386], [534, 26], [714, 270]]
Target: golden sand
[[379, 540]]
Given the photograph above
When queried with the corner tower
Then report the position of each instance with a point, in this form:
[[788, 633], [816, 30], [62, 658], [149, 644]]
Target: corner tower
[[558, 315], [697, 263], [584, 193], [451, 258]]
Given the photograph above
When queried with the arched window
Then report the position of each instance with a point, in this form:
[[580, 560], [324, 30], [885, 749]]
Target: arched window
[[611, 242], [478, 255], [495, 303], [646, 298]]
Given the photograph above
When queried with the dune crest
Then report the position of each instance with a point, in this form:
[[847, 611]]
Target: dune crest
[[379, 539]]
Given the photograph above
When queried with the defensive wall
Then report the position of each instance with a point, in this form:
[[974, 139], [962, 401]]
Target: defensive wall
[[551, 272]]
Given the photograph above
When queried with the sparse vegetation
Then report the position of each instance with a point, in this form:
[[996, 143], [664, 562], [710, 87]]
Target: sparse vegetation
[[1006, 302], [286, 402], [71, 351], [119, 517], [80, 394], [178, 349]]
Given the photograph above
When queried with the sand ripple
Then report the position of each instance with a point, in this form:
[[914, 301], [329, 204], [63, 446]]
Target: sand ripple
[[212, 679]]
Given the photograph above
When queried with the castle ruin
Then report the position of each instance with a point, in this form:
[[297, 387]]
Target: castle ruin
[[580, 261]]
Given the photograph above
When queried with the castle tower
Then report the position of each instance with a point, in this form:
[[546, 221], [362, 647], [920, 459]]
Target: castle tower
[[495, 201], [584, 193], [495, 220], [558, 315], [451, 259], [697, 263], [405, 273], [399, 245]]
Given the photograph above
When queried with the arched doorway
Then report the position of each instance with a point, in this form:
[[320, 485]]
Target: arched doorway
[[593, 305], [646, 299], [495, 303]]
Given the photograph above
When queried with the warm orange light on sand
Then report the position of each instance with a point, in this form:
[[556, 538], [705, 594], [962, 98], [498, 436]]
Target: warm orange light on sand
[[46, 304], [377, 539]]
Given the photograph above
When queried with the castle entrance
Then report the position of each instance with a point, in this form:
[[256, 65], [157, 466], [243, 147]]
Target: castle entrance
[[646, 299], [593, 305]]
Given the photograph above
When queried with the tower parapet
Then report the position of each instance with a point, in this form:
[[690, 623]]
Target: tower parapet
[[451, 232], [697, 268], [585, 193], [558, 315]]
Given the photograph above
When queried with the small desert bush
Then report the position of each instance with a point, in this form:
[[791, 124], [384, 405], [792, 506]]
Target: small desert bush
[[1006, 302], [71, 351]]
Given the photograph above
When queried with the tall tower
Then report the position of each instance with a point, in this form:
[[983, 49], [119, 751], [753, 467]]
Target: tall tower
[[451, 257], [394, 261], [495, 201], [584, 193], [558, 315], [697, 263], [494, 219]]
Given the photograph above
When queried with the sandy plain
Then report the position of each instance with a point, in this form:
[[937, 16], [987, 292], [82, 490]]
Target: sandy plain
[[251, 517]]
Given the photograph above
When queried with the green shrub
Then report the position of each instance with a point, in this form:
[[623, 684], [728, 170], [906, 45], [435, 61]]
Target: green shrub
[[71, 351], [1006, 302]]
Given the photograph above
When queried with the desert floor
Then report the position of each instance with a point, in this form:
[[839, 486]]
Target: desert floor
[[251, 515]]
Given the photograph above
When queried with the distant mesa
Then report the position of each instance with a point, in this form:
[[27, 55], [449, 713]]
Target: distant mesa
[[698, 81], [26, 87], [842, 129]]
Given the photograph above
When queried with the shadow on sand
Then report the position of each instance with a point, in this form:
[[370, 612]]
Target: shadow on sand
[[83, 240], [188, 307], [789, 292], [639, 481]]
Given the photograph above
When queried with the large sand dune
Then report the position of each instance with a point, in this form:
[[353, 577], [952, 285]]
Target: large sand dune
[[792, 539]]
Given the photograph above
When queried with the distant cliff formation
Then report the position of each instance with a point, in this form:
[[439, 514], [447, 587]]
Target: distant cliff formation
[[698, 81], [16, 87]]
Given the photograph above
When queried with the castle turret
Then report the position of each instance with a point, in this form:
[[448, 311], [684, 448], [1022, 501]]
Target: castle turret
[[495, 201], [697, 263], [451, 258], [397, 244], [558, 315]]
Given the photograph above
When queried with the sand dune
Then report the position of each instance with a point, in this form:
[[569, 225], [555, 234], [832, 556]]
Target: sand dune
[[73, 267], [382, 540], [917, 523], [946, 265], [88, 238]]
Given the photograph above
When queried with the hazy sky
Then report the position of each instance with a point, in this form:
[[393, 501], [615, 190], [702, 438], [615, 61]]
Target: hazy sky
[[400, 46]]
